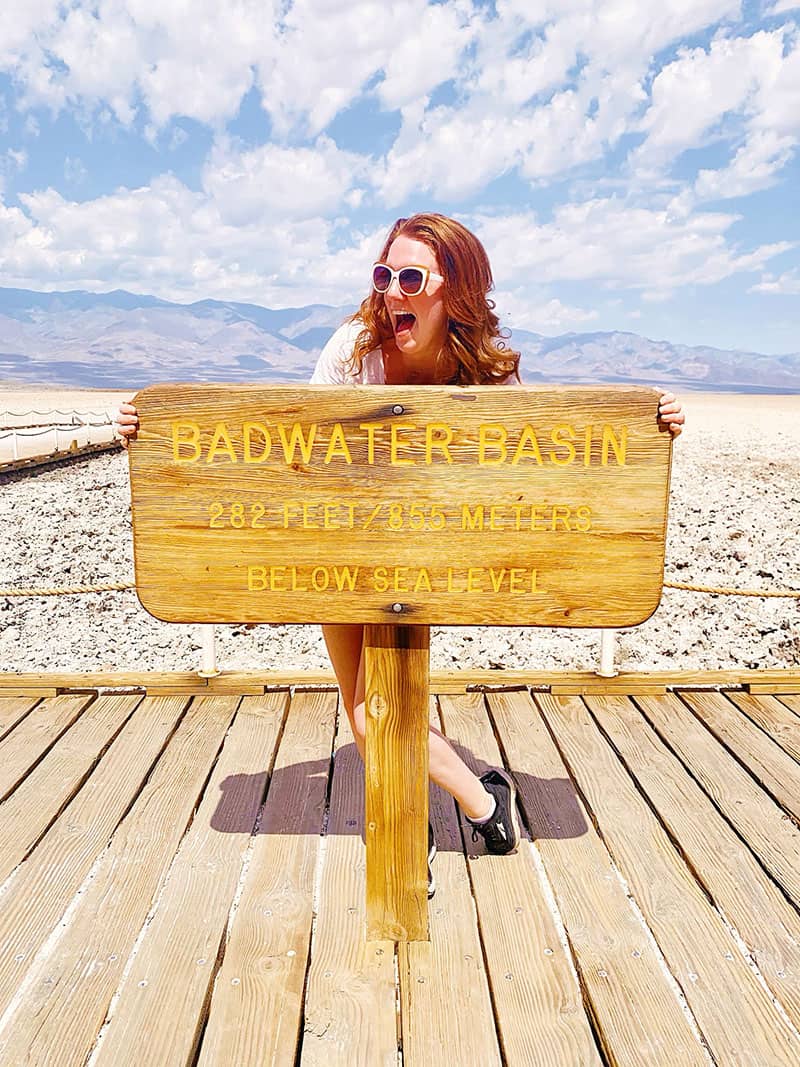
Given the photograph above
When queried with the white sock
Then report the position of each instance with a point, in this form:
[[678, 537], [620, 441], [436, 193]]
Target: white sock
[[488, 815]]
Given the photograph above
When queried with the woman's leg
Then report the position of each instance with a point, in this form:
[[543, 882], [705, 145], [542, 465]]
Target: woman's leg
[[346, 649]]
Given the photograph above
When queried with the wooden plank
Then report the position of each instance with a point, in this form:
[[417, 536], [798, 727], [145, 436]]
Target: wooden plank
[[600, 688], [58, 457], [94, 679], [256, 1008], [69, 989], [734, 1012], [765, 760], [537, 1000], [162, 1004], [289, 503], [729, 872], [768, 831], [626, 987], [774, 687], [26, 745], [791, 702], [46, 882], [30, 691], [41, 796], [773, 717], [13, 709], [396, 774], [350, 1005]]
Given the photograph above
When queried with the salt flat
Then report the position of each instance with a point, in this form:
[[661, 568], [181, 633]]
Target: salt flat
[[734, 521]]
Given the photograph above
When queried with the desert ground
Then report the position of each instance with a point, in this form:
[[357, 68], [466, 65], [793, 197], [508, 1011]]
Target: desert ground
[[734, 522]]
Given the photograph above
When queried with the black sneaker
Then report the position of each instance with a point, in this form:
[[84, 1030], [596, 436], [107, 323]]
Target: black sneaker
[[431, 854], [501, 830]]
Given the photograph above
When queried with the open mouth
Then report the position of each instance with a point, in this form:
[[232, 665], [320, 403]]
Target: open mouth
[[403, 322]]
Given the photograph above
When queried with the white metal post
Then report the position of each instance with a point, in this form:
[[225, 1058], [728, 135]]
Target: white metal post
[[14, 447], [608, 641], [208, 661]]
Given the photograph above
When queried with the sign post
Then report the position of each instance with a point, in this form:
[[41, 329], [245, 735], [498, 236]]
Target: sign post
[[398, 508]]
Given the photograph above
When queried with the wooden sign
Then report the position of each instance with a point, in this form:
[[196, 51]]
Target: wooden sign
[[492, 505]]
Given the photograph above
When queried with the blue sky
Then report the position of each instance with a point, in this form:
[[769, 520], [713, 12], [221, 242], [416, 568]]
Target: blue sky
[[628, 166]]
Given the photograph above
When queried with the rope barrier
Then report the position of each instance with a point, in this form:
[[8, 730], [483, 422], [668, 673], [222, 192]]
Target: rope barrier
[[121, 586], [51, 411], [732, 592]]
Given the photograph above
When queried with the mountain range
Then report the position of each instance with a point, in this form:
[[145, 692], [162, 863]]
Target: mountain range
[[122, 340]]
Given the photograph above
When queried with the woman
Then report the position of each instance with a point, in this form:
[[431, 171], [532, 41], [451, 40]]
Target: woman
[[428, 321]]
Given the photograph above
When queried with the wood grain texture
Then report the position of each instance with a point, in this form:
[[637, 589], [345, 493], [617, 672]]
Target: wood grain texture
[[72, 985], [13, 709], [537, 999], [769, 832], [396, 774], [48, 787], [449, 970], [626, 989], [162, 1003], [256, 1009], [26, 744], [714, 852], [47, 881], [774, 718], [767, 761], [555, 526], [350, 1005]]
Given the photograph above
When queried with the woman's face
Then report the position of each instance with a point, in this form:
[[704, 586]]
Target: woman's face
[[419, 322]]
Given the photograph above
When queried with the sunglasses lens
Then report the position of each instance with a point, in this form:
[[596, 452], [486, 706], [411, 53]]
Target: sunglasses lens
[[381, 278], [411, 280]]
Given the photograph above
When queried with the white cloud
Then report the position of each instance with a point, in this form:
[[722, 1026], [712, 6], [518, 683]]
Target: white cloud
[[290, 182], [692, 94], [754, 166], [781, 6], [521, 310], [786, 284], [619, 246]]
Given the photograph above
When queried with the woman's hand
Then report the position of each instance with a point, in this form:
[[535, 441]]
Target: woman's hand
[[126, 423], [670, 414]]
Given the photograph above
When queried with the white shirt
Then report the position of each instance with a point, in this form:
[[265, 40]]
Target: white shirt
[[332, 369]]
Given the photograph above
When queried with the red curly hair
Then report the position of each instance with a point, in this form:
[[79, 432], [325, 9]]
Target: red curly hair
[[475, 343]]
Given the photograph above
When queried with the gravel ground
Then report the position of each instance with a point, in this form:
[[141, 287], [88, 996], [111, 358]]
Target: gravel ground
[[734, 521]]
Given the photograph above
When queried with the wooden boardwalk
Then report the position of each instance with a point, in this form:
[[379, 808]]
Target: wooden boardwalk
[[182, 882]]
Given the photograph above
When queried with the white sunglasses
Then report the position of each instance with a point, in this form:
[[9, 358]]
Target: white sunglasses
[[412, 280]]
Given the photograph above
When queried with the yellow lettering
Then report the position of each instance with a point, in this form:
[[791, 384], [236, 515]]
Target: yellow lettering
[[256, 427], [619, 445], [423, 576], [296, 586], [536, 517], [277, 575], [328, 514], [221, 442], [256, 579], [179, 442], [296, 440], [527, 447], [379, 580], [496, 443], [371, 428], [515, 576], [493, 525], [441, 443], [450, 586], [396, 445], [560, 514], [587, 445], [473, 576], [307, 523], [337, 446], [345, 577], [288, 508], [497, 579], [401, 579], [584, 515], [320, 579], [471, 520], [534, 587], [557, 437]]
